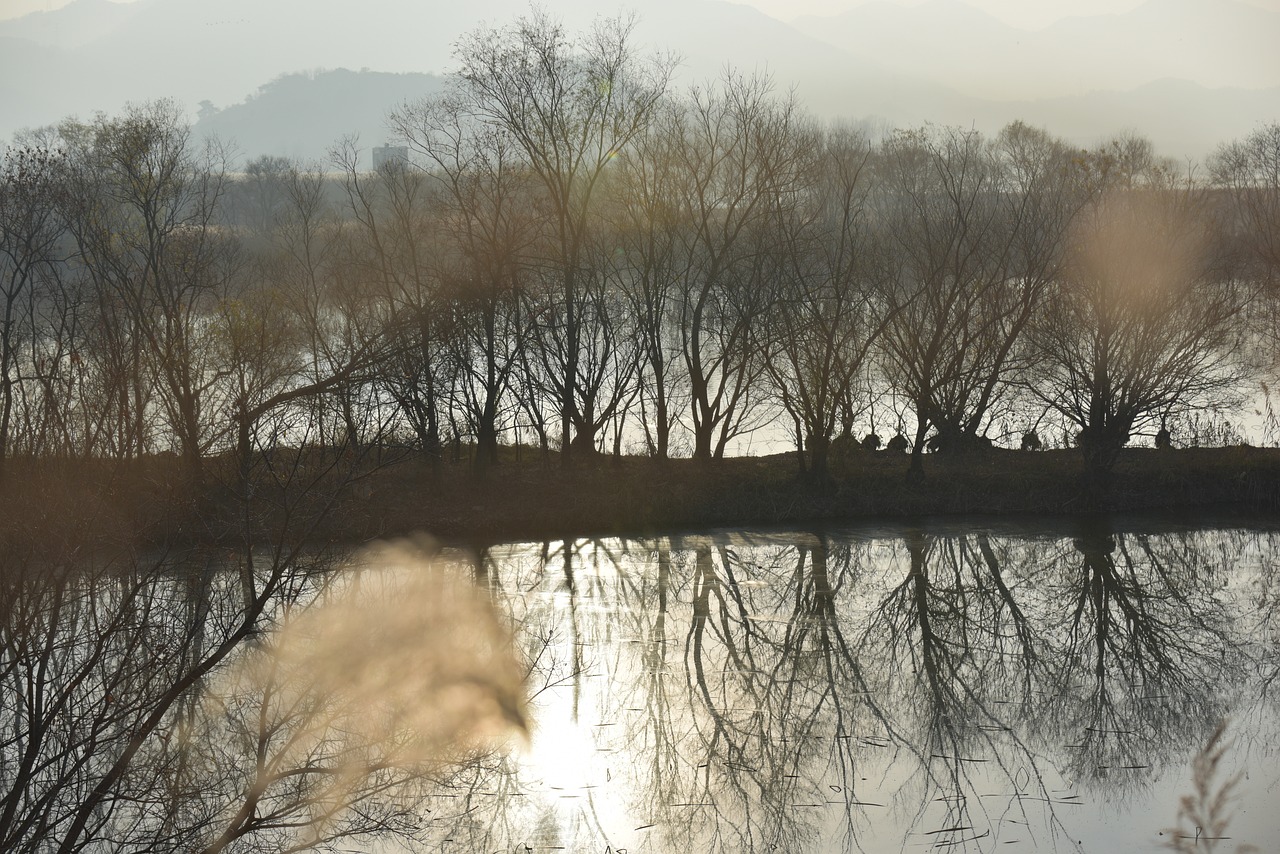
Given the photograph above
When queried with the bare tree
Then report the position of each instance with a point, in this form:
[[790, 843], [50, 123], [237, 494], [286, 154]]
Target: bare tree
[[570, 106], [484, 211], [973, 239], [146, 200], [1144, 322], [256, 201], [645, 220], [31, 195], [828, 315], [295, 258], [387, 286], [743, 161], [1248, 170]]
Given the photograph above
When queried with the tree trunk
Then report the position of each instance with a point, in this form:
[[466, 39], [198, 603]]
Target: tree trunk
[[664, 427], [819, 457], [702, 441], [917, 450]]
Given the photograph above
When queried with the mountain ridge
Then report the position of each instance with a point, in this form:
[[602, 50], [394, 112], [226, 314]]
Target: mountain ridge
[[197, 52]]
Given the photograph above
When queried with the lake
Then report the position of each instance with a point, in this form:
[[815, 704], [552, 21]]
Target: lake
[[968, 685], [961, 687]]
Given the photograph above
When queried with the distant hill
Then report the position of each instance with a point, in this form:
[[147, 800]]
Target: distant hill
[[303, 115], [78, 23], [881, 63], [197, 50]]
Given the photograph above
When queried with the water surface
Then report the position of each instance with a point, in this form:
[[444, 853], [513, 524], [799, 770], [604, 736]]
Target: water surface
[[958, 687]]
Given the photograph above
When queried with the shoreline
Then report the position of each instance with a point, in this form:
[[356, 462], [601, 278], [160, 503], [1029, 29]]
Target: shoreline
[[140, 503], [642, 497]]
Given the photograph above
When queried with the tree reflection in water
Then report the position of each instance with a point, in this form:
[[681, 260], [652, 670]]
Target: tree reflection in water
[[845, 692], [960, 668], [815, 691], [177, 704], [1148, 660]]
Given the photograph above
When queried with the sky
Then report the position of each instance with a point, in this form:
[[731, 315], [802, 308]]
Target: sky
[[1159, 71], [1031, 14]]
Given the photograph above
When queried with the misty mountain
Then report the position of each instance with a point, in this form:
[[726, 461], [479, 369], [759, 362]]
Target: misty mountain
[[74, 25], [302, 115], [194, 50], [888, 65]]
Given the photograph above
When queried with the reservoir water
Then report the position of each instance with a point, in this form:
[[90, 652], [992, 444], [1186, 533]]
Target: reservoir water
[[958, 687], [1089, 684]]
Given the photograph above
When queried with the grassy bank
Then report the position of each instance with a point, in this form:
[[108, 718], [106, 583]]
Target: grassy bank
[[144, 502]]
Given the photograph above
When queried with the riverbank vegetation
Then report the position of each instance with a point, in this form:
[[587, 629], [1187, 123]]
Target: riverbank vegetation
[[568, 253]]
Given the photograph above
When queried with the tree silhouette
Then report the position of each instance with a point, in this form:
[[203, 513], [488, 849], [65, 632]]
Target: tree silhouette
[[1141, 325], [569, 107]]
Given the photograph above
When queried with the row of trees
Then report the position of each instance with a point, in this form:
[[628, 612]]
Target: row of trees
[[579, 256]]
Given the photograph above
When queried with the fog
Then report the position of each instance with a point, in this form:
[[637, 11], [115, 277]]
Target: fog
[[1190, 73]]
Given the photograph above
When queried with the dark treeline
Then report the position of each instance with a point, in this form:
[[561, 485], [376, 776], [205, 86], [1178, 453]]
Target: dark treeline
[[577, 257]]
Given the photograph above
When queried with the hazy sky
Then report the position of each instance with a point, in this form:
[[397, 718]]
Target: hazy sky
[[1190, 74], [1023, 13], [1020, 13]]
